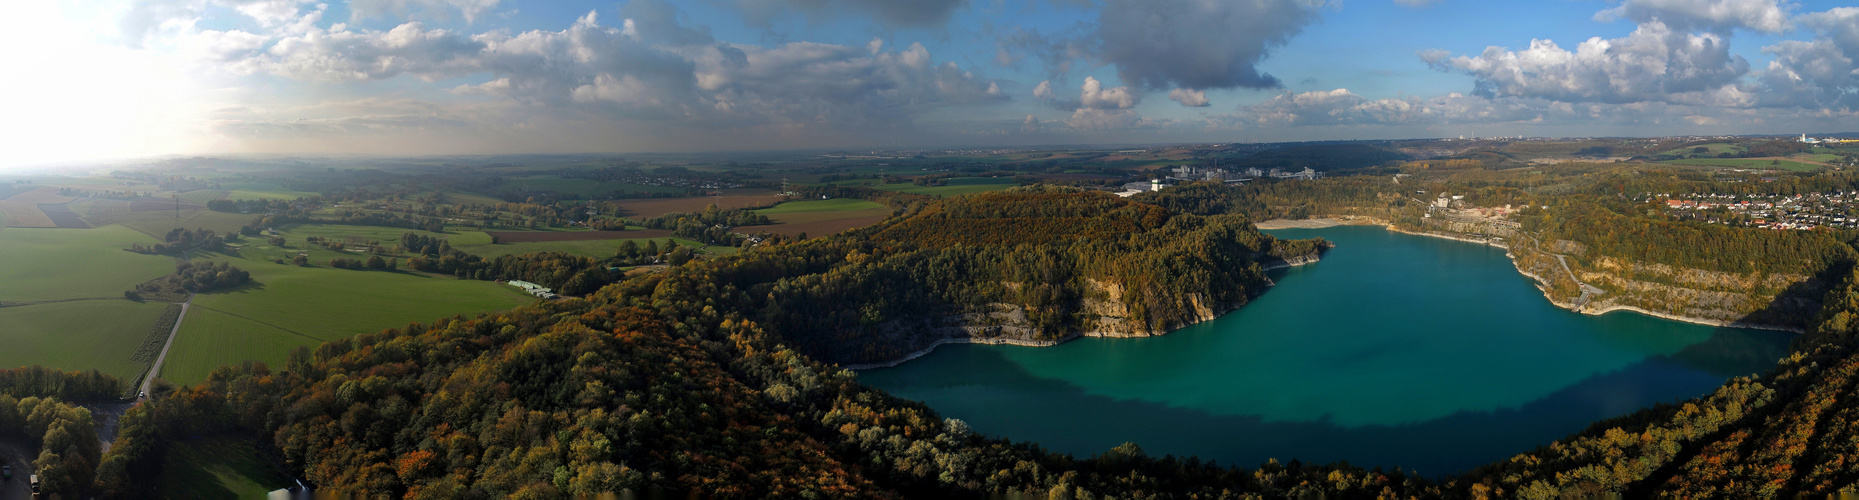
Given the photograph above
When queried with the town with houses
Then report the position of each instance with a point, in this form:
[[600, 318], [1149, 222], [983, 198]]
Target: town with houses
[[1797, 212], [1192, 173]]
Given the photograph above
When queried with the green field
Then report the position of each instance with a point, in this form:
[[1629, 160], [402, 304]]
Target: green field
[[592, 248], [833, 205], [202, 196], [160, 222], [297, 233], [1822, 157], [217, 467], [1714, 149], [290, 305], [78, 335], [1750, 163], [53, 264]]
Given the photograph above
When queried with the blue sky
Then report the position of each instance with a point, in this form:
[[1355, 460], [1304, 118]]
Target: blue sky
[[147, 77]]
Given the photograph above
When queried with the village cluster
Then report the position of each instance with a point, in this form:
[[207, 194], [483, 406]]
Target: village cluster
[[1799, 212]]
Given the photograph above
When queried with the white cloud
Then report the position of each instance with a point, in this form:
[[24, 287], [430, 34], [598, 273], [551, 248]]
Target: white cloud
[[440, 10], [1103, 119], [651, 70], [1718, 16], [1654, 63], [1189, 97], [1342, 107], [339, 54], [1095, 96], [905, 13]]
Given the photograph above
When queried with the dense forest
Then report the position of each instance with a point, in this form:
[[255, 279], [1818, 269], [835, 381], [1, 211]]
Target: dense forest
[[36, 406]]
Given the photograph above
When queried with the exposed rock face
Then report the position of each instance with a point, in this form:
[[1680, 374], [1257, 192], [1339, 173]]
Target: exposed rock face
[[1271, 263], [1105, 307], [1781, 300]]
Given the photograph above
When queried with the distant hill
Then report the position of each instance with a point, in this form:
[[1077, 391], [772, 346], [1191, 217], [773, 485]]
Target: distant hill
[[1322, 157]]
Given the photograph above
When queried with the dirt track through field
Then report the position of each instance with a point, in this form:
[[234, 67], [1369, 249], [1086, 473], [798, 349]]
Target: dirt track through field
[[154, 369]]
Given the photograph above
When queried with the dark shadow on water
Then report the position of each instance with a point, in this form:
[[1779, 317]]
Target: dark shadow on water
[[999, 398]]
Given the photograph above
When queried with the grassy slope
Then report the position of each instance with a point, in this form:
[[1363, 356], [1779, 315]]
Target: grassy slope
[[1714, 148], [217, 467], [79, 335], [53, 264], [295, 234], [317, 304], [161, 221], [210, 339], [833, 205]]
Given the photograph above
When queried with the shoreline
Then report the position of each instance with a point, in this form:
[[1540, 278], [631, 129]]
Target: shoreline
[[1328, 223], [964, 340], [1697, 321]]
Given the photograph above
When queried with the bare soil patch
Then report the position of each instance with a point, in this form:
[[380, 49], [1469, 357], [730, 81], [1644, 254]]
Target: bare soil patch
[[62, 216], [529, 236], [654, 207]]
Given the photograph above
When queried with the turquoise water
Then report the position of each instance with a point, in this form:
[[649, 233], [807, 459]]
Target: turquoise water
[[1395, 350]]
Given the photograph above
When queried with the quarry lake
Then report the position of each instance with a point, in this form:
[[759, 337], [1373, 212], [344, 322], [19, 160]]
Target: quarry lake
[[1395, 350]]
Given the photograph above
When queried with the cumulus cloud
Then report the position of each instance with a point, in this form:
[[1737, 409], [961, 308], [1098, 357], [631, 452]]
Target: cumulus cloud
[[906, 13], [1717, 16], [1093, 95], [1189, 97], [1158, 44], [1103, 119], [1342, 107], [471, 10], [1823, 72], [1654, 63], [145, 18], [340, 54], [649, 68]]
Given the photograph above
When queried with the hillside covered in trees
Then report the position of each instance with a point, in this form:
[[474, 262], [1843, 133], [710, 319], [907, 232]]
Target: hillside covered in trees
[[719, 378]]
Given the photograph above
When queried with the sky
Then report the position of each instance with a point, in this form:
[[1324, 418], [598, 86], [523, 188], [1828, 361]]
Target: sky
[[119, 79]]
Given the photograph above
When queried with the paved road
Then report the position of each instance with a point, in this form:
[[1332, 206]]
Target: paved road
[[154, 369], [16, 454]]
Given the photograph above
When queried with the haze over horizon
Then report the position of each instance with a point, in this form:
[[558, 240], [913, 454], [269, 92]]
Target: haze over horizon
[[118, 79]]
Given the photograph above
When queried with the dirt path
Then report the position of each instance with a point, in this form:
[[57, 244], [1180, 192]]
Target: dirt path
[[154, 369]]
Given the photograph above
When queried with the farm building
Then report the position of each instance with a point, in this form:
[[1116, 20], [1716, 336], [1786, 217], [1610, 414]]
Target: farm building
[[533, 289]]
